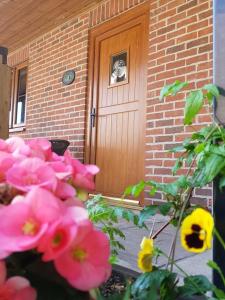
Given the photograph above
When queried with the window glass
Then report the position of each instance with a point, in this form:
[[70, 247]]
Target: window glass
[[21, 97], [22, 81]]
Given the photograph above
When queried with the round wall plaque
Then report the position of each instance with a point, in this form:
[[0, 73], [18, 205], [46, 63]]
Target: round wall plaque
[[68, 77]]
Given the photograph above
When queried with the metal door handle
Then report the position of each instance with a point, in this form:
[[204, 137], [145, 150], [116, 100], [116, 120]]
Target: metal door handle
[[93, 115]]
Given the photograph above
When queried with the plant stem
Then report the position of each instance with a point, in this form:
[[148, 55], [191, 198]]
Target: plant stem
[[154, 236], [153, 225], [173, 245]]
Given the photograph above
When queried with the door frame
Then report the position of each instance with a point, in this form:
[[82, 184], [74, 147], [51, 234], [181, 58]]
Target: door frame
[[132, 17]]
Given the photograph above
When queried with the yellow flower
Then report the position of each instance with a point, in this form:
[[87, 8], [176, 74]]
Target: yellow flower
[[196, 231], [145, 255]]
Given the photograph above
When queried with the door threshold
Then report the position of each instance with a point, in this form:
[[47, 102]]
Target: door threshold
[[126, 203]]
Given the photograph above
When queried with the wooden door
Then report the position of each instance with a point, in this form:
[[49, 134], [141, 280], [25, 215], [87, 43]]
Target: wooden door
[[117, 109]]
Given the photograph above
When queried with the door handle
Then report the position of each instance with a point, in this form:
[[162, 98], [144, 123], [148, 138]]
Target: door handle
[[92, 116]]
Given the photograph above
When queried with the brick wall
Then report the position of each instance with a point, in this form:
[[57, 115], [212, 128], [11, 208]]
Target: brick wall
[[180, 47]]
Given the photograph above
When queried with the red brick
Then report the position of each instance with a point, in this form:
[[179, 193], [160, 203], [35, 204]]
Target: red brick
[[197, 42], [186, 6], [175, 49], [166, 29]]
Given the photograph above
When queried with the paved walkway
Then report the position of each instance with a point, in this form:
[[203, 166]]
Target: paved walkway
[[191, 263]]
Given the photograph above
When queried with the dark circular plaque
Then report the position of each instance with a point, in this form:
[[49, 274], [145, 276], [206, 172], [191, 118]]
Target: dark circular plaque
[[68, 77]]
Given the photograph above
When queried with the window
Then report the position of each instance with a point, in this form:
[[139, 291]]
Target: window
[[18, 96]]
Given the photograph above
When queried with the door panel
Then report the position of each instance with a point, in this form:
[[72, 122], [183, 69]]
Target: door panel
[[117, 140]]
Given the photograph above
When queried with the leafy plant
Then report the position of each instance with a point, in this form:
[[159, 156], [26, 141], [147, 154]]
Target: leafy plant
[[203, 156], [107, 217]]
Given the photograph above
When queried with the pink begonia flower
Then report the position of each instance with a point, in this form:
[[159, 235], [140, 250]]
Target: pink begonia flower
[[29, 173], [62, 171], [73, 202], [61, 234], [18, 147], [3, 146], [83, 175], [6, 162], [56, 240], [40, 148], [23, 223], [15, 288], [85, 263], [64, 190]]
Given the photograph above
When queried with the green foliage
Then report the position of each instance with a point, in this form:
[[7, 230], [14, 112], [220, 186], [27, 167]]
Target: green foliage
[[214, 266], [161, 284], [194, 103], [218, 293], [172, 89], [107, 217], [203, 154], [158, 284], [135, 190], [195, 285], [212, 91], [152, 210]]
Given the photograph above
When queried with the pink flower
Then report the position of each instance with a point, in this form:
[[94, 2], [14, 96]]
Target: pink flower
[[23, 223], [64, 190], [56, 240], [62, 171], [3, 145], [15, 288], [62, 233], [85, 263], [83, 175], [6, 162], [40, 148], [18, 147], [29, 173]]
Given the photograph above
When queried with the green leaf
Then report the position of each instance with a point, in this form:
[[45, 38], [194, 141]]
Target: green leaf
[[172, 89], [165, 208], [128, 190], [219, 293], [153, 191], [148, 212], [178, 165], [177, 86], [195, 285], [113, 259], [199, 148], [138, 188], [193, 105], [217, 149], [212, 264], [148, 285], [212, 92], [182, 182], [118, 232], [212, 166], [177, 149]]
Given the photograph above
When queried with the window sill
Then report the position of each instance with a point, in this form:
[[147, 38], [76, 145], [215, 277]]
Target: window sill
[[17, 129]]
